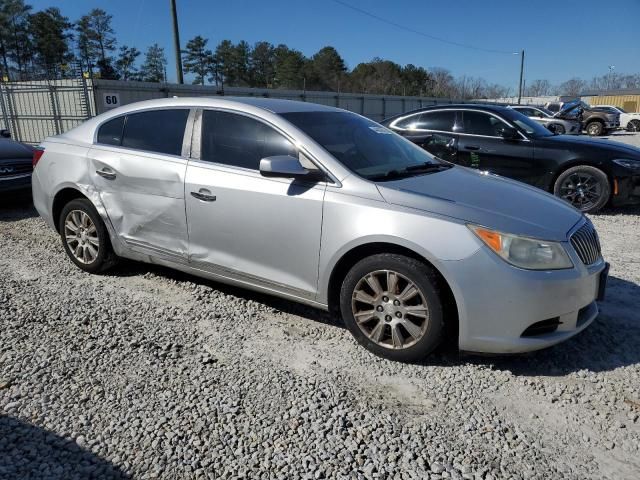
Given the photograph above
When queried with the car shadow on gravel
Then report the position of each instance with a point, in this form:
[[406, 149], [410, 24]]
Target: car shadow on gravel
[[611, 341], [16, 208], [127, 268], [30, 452]]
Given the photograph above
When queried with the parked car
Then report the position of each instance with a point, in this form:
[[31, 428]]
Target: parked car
[[547, 119], [15, 165], [594, 122], [586, 173], [328, 208], [628, 120]]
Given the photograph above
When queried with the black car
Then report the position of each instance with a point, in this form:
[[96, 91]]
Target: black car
[[15, 166], [588, 173]]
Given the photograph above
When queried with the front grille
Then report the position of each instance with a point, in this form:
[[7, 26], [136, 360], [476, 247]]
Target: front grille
[[15, 168], [586, 244]]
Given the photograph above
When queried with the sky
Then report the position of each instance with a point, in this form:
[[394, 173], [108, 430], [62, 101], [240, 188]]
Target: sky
[[561, 39]]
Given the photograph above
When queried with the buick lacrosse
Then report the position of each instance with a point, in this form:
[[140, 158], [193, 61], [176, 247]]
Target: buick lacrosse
[[325, 207]]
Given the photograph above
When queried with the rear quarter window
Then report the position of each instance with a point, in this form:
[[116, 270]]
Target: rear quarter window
[[110, 133]]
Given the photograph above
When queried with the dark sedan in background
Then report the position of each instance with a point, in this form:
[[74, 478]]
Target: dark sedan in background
[[585, 172], [15, 166]]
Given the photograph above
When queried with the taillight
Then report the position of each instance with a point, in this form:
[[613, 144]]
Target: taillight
[[37, 155]]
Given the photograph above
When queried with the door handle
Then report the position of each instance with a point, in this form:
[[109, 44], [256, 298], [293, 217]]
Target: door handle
[[205, 197], [106, 174], [471, 147]]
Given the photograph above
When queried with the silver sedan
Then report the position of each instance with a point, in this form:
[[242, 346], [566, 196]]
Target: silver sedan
[[549, 120], [325, 207]]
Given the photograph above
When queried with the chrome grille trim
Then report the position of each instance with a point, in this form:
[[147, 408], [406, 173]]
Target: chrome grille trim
[[586, 244]]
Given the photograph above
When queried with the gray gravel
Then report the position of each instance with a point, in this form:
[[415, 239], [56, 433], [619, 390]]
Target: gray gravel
[[148, 373]]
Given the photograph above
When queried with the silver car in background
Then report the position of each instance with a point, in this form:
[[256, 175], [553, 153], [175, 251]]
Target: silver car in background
[[546, 117], [325, 207]]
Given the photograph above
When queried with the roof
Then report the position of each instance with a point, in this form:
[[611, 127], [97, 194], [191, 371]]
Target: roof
[[478, 106], [612, 92]]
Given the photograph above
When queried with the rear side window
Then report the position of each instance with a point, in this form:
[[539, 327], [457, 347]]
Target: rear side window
[[240, 141], [159, 131], [110, 133], [443, 121]]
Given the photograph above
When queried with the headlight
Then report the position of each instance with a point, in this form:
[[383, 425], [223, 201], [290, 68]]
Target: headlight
[[523, 252], [623, 162]]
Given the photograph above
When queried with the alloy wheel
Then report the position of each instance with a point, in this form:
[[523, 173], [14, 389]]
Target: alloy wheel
[[81, 236], [593, 129], [390, 309], [582, 190]]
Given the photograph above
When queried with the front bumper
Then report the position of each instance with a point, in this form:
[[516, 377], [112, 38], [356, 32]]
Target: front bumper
[[498, 303], [611, 125], [15, 183]]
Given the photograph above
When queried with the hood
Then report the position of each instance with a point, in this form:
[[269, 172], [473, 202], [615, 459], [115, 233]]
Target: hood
[[488, 200], [608, 148], [10, 149]]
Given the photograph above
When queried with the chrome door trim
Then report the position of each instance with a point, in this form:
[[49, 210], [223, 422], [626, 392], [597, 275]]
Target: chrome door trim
[[393, 124], [188, 134]]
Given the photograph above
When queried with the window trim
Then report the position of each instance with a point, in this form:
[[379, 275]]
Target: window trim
[[196, 143], [144, 110], [393, 124]]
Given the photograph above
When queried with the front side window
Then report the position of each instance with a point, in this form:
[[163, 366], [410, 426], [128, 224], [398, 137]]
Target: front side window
[[363, 146], [160, 131], [480, 123], [110, 133], [240, 141]]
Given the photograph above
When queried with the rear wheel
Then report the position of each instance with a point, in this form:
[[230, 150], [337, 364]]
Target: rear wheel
[[586, 188], [595, 128], [85, 237], [391, 305], [633, 126]]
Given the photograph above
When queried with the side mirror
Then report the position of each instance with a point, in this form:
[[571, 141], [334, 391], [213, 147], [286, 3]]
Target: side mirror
[[286, 166], [509, 133], [4, 133]]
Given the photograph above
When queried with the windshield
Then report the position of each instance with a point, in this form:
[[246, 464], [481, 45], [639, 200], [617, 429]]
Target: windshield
[[363, 146], [544, 110], [529, 126]]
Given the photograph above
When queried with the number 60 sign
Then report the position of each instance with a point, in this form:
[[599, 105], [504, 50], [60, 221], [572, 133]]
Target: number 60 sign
[[110, 100]]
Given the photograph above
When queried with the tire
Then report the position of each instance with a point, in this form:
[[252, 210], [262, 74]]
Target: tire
[[93, 236], [633, 126], [407, 328], [594, 128], [559, 129], [586, 188]]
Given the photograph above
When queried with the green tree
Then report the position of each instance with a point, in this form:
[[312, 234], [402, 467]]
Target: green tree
[[50, 34], [198, 59], [96, 40], [262, 65], [224, 62], [288, 67], [415, 80], [126, 63], [326, 69], [154, 64], [15, 43]]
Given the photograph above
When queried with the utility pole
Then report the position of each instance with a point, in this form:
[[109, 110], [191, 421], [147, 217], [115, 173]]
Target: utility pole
[[611, 67], [176, 41], [521, 85]]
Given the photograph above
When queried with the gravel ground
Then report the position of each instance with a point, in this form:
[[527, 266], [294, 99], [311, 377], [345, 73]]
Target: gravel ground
[[630, 138], [149, 373]]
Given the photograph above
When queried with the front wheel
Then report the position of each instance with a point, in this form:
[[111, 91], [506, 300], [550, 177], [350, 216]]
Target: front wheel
[[391, 305], [559, 129], [586, 188], [85, 237], [633, 126], [595, 129]]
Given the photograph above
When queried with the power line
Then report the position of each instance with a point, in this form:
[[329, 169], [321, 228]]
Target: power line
[[417, 32]]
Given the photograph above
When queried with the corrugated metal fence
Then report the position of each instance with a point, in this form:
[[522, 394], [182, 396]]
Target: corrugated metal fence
[[110, 93], [35, 110]]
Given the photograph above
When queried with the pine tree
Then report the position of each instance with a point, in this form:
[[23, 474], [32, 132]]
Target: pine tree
[[154, 65], [197, 59], [126, 63]]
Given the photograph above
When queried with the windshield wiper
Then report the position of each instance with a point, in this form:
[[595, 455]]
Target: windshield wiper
[[428, 167], [411, 170]]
